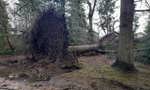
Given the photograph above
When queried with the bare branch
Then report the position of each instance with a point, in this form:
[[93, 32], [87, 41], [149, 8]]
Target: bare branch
[[143, 10], [95, 2], [91, 8], [147, 4]]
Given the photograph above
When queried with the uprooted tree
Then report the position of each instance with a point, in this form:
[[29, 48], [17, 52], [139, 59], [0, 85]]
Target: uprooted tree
[[49, 39]]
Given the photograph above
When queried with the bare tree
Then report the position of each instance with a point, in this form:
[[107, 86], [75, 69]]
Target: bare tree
[[144, 10], [90, 18]]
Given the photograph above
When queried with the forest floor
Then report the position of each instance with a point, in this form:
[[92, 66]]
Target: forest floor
[[96, 73]]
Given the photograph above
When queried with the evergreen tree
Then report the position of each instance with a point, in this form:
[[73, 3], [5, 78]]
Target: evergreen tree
[[4, 23], [77, 22], [106, 10], [145, 55], [3, 17], [27, 11]]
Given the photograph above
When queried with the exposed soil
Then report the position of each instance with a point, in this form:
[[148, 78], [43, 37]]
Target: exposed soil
[[16, 73]]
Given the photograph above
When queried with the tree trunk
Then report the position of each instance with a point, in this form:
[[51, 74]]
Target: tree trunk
[[9, 43], [67, 60], [91, 34], [90, 17], [125, 58], [83, 48]]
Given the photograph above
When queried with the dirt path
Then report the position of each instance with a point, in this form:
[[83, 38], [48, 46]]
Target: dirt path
[[96, 60], [12, 58]]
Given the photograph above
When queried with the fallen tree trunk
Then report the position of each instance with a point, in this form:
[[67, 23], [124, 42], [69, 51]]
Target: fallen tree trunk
[[83, 48], [79, 49], [89, 49]]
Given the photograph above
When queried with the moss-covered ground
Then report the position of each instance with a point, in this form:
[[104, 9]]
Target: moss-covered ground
[[96, 73]]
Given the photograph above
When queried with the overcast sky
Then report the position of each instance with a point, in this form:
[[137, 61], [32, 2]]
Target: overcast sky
[[142, 19]]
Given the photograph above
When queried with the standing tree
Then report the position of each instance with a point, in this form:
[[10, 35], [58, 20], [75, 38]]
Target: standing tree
[[107, 20], [144, 57], [27, 11], [90, 18], [77, 22], [125, 60], [4, 24]]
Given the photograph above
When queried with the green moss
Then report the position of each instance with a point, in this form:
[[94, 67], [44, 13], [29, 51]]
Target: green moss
[[140, 79], [7, 52], [126, 67]]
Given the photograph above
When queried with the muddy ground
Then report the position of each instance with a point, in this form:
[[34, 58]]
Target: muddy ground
[[96, 73]]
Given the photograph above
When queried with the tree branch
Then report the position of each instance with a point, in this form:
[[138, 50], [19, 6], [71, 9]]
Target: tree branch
[[147, 4], [143, 10], [91, 8], [95, 2]]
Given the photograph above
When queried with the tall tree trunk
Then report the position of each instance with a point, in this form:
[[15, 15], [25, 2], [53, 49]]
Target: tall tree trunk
[[125, 51], [90, 17], [91, 34], [9, 43], [68, 60]]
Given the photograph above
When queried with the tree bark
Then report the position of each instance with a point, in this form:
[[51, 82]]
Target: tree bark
[[9, 43], [67, 59], [83, 48], [125, 58], [91, 34]]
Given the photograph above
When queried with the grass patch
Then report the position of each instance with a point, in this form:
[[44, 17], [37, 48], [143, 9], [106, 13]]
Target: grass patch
[[137, 80], [7, 52]]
